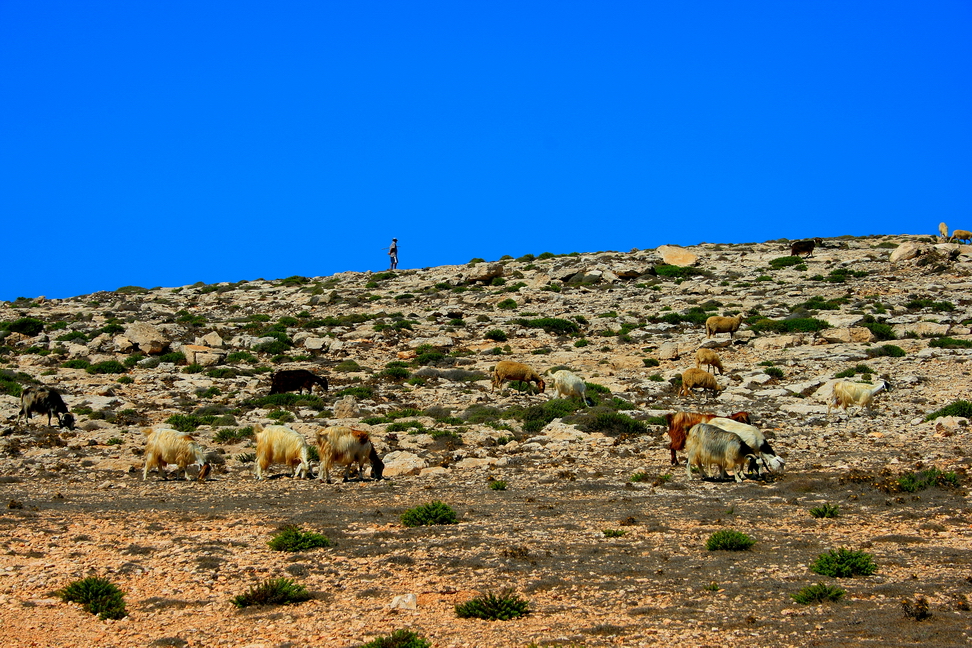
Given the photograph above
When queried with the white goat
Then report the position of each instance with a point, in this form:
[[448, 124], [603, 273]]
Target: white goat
[[345, 446], [172, 447], [707, 444], [280, 444], [847, 393], [566, 384], [753, 437]]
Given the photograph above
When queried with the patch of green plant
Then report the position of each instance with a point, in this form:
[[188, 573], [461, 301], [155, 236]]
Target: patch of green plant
[[729, 540], [880, 330], [133, 360], [825, 511], [399, 639], [595, 388], [230, 435], [193, 368], [961, 408], [291, 538], [29, 326], [843, 563], [678, 272], [360, 392], [552, 325], [429, 357], [222, 372], [241, 356], [396, 373], [288, 399], [818, 593], [429, 514], [535, 418], [613, 533], [97, 595], [187, 318], [776, 372], [785, 262], [650, 362], [72, 336], [272, 347], [497, 484], [507, 304], [176, 357], [273, 591], [126, 380], [496, 335], [614, 423], [886, 350], [937, 306], [494, 607], [792, 325], [106, 367], [916, 481], [114, 441], [402, 426], [77, 363], [189, 422], [581, 343], [950, 343], [817, 302]]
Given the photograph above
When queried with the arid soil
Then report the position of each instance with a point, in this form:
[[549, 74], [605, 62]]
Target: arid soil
[[75, 504]]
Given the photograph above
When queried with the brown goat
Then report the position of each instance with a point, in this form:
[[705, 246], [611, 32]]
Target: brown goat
[[679, 423], [805, 247]]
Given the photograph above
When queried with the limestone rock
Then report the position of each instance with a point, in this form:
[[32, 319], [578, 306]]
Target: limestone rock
[[484, 272], [906, 251], [674, 255], [149, 339], [923, 329], [848, 334], [777, 342], [668, 351], [201, 355], [347, 407], [399, 463]]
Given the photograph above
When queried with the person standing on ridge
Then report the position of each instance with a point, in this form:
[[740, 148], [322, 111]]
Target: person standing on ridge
[[393, 253]]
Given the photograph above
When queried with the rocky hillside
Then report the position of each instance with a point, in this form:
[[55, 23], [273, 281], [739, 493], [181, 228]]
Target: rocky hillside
[[408, 356]]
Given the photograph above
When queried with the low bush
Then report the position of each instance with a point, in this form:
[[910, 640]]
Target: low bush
[[77, 363], [399, 639], [273, 591], [613, 533], [886, 350], [785, 262], [961, 408], [291, 538], [843, 563], [106, 367], [552, 325], [429, 514], [818, 593], [498, 485], [494, 607], [496, 335], [729, 540], [880, 330], [29, 326], [229, 435], [950, 343], [614, 423], [792, 325], [507, 304], [916, 481], [189, 422], [825, 511], [97, 595]]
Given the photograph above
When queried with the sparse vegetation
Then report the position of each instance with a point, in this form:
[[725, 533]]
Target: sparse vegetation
[[291, 538], [429, 514], [961, 408], [729, 540], [494, 607], [843, 563], [97, 595], [273, 591], [818, 593], [399, 639], [825, 511]]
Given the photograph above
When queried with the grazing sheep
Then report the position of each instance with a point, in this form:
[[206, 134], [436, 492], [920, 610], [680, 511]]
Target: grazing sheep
[[679, 424], [692, 378], [754, 438], [717, 324], [345, 446], [172, 447], [507, 370], [300, 379], [848, 393], [710, 358], [566, 384], [961, 235], [280, 444], [805, 247], [44, 400], [943, 231], [708, 445]]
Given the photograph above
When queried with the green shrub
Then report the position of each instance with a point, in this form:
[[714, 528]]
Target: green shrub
[[886, 350], [613, 533], [825, 511], [361, 392], [776, 372], [222, 372], [615, 423], [792, 325], [29, 326], [106, 367], [919, 304], [581, 343], [399, 639], [287, 400], [962, 408], [347, 365], [241, 356], [729, 540], [291, 538], [176, 357], [189, 422], [194, 368], [502, 607], [552, 325], [843, 563], [853, 371], [818, 593], [126, 380], [496, 335], [639, 477], [397, 373], [785, 262], [650, 362], [537, 417], [77, 363], [914, 482], [273, 591], [97, 595], [429, 514], [498, 484], [73, 335], [950, 343], [229, 435], [880, 330], [506, 304], [272, 347], [429, 357], [677, 272]]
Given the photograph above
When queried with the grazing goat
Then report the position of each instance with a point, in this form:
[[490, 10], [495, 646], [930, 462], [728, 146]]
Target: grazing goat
[[680, 422], [692, 378], [172, 447], [280, 444], [754, 438], [300, 379], [44, 400], [345, 446], [709, 358], [717, 324], [848, 393], [507, 370], [707, 445], [566, 384], [961, 235], [805, 247]]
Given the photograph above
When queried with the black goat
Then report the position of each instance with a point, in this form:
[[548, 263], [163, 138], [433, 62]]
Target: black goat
[[45, 400], [805, 247], [296, 379]]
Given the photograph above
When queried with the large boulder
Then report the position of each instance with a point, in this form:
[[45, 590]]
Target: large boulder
[[149, 339], [848, 334], [906, 251], [202, 355], [678, 256], [484, 272], [399, 463]]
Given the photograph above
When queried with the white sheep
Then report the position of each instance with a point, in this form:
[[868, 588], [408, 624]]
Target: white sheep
[[172, 447], [566, 384], [345, 446], [709, 358], [847, 393], [507, 370], [753, 437], [707, 445], [692, 378], [717, 324], [280, 444]]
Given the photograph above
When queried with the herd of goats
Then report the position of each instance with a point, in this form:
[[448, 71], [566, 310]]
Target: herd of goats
[[731, 444]]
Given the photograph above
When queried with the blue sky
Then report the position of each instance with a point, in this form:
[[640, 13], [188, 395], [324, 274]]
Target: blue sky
[[160, 144]]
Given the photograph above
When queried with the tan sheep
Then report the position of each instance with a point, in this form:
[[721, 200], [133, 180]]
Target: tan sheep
[[693, 378], [961, 235], [716, 324], [709, 358], [507, 370]]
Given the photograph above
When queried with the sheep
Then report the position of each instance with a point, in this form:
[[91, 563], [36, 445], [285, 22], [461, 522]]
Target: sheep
[[805, 247], [44, 400], [943, 231], [852, 393], [680, 422], [716, 324], [961, 235], [300, 379], [172, 447], [754, 438], [280, 444], [507, 370], [710, 358], [692, 378], [345, 446], [566, 384], [707, 445]]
